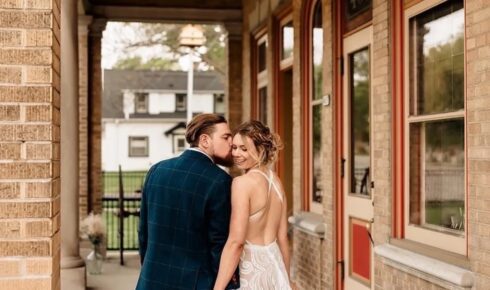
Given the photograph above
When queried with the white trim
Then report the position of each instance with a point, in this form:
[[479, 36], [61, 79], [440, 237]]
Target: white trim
[[441, 239], [436, 268]]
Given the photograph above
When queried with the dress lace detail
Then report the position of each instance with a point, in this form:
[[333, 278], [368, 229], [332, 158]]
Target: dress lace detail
[[262, 268]]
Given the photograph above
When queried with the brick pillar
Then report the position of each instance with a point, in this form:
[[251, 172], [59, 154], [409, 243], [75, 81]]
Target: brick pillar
[[29, 144], [83, 23], [72, 265], [234, 86], [95, 115]]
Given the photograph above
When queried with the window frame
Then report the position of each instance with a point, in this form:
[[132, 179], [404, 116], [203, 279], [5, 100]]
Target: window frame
[[180, 107], [147, 149], [430, 237], [146, 102], [175, 146], [260, 79], [308, 103]]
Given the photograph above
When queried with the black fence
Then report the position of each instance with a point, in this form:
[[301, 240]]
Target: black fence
[[121, 204]]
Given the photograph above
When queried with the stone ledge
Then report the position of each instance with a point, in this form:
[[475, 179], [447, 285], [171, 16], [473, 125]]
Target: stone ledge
[[406, 260], [309, 223]]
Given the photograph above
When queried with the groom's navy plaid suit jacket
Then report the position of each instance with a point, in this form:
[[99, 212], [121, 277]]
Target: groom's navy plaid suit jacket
[[184, 220]]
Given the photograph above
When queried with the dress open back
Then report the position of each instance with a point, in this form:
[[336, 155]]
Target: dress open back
[[262, 265]]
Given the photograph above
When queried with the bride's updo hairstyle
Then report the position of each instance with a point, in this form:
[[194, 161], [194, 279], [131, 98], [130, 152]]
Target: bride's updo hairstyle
[[267, 143]]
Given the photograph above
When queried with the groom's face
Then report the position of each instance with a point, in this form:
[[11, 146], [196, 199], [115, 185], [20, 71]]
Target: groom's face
[[221, 145]]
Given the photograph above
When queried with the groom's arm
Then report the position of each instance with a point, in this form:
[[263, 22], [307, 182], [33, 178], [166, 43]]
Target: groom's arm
[[219, 212]]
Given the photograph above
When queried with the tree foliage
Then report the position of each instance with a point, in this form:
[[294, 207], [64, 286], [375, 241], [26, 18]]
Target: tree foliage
[[166, 36]]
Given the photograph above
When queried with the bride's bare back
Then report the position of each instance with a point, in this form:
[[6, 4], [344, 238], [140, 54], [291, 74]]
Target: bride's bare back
[[266, 207]]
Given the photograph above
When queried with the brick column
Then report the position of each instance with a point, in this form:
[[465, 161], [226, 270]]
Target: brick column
[[95, 115], [83, 30], [29, 144], [234, 85], [72, 266]]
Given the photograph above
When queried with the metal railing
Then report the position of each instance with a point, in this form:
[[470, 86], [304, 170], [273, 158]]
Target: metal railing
[[121, 204]]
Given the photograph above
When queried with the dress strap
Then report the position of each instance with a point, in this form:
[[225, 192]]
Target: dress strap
[[264, 208], [270, 179]]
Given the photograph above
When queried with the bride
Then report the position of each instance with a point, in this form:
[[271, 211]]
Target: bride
[[258, 239]]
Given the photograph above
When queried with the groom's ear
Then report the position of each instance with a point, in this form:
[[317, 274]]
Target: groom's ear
[[204, 140]]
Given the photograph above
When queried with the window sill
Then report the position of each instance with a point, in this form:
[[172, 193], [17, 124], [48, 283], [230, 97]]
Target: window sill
[[425, 267], [309, 223]]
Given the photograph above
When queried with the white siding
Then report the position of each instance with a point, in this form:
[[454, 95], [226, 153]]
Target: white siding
[[161, 102], [115, 144], [203, 103]]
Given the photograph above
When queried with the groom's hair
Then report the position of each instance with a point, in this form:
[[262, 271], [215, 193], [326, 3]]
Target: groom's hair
[[202, 124]]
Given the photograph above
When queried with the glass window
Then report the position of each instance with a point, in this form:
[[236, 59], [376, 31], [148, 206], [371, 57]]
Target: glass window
[[180, 102], [138, 146], [436, 120], [316, 101], [287, 40], [219, 104], [360, 136], [141, 102], [179, 143]]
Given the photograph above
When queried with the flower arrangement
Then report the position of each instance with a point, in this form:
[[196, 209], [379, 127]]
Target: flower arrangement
[[93, 227]]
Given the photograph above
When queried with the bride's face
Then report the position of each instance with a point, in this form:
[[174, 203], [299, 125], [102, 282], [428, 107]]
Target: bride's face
[[244, 153]]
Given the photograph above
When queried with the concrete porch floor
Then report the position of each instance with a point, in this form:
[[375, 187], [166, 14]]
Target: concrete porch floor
[[115, 276]]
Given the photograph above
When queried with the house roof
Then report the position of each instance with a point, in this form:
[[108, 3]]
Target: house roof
[[171, 130], [116, 81]]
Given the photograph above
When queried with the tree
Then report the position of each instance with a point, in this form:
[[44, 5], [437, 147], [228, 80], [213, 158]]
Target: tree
[[166, 36]]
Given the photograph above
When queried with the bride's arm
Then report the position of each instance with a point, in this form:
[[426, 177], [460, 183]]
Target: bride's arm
[[282, 235], [240, 204]]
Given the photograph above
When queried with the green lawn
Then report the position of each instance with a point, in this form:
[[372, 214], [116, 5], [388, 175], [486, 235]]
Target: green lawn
[[132, 181], [130, 229]]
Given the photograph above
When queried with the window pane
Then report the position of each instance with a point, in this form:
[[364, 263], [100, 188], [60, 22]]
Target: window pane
[[180, 102], [437, 183], [262, 56], [437, 62], [141, 102], [317, 152], [263, 105], [317, 52], [287, 40], [360, 122], [138, 146]]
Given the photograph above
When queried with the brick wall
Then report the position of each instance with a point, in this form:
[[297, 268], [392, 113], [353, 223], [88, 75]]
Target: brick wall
[[83, 119], [29, 144], [478, 137], [381, 120]]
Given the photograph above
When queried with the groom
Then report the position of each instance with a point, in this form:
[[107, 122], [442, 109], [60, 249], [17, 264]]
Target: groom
[[185, 211]]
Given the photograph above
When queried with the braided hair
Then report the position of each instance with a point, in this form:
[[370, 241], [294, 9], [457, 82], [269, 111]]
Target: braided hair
[[267, 143]]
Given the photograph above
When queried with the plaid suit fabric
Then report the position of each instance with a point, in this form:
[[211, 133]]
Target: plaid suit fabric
[[184, 220]]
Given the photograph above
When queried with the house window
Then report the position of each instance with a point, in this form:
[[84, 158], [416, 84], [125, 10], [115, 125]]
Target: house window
[[287, 37], [260, 76], [315, 104], [435, 127], [179, 143], [180, 102], [138, 146], [219, 104], [141, 102]]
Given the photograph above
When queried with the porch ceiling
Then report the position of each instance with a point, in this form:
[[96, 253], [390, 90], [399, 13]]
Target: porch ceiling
[[205, 11]]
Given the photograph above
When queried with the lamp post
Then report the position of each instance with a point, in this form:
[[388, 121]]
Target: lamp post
[[191, 37]]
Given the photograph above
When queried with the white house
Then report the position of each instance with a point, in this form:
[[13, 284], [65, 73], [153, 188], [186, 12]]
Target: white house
[[144, 114]]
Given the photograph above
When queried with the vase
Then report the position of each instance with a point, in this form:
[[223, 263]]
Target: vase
[[94, 261]]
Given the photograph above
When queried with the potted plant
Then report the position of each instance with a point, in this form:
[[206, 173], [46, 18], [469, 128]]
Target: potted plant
[[93, 228]]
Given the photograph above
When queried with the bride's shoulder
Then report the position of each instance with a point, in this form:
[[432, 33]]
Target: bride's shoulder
[[244, 181]]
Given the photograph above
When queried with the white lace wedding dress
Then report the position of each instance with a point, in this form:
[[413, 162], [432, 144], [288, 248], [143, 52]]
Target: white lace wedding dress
[[262, 266]]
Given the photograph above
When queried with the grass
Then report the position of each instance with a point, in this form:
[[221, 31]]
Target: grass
[[132, 181], [130, 228], [440, 212]]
